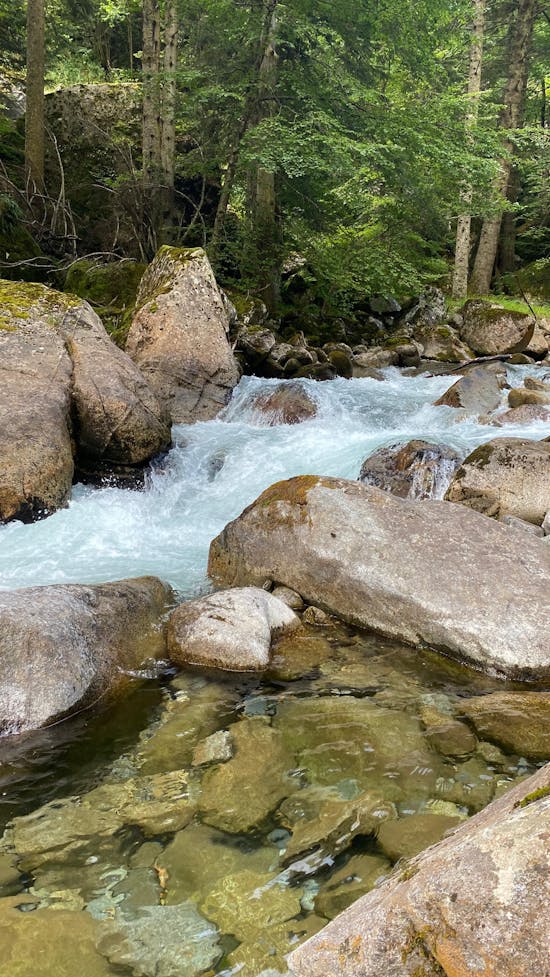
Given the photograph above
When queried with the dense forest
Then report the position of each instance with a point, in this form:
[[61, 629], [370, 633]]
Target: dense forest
[[322, 152]]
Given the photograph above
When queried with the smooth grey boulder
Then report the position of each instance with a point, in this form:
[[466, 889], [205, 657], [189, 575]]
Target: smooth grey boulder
[[63, 646], [475, 904], [232, 630], [510, 474], [178, 337], [479, 391], [427, 573]]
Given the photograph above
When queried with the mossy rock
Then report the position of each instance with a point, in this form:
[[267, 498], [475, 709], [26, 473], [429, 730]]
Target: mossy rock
[[110, 288]]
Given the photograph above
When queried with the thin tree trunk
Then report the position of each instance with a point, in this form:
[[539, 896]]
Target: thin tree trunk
[[519, 50], [168, 110], [270, 7], [265, 234], [543, 102], [151, 112], [34, 118], [462, 250]]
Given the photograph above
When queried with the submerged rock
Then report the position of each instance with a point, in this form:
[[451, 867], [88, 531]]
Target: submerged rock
[[414, 571], [357, 877], [416, 470], [237, 796], [178, 336], [232, 630], [162, 941], [517, 721], [473, 904], [39, 941], [491, 330], [512, 474], [63, 646], [406, 837]]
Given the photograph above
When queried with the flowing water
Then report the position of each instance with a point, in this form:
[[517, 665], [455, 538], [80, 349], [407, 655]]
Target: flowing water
[[218, 468], [207, 824]]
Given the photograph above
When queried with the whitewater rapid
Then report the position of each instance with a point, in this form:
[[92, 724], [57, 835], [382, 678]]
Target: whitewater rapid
[[217, 468]]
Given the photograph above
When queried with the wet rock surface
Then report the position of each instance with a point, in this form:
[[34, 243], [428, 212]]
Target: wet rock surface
[[61, 647], [479, 391], [415, 571], [288, 404], [416, 470], [178, 337]]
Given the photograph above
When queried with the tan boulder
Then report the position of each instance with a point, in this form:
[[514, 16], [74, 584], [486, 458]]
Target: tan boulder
[[521, 415], [475, 905], [63, 646], [523, 396], [491, 330], [479, 391], [427, 573], [178, 336], [232, 630], [513, 474]]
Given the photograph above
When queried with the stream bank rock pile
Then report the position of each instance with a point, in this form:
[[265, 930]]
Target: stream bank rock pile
[[179, 336], [424, 335], [427, 573], [475, 904], [67, 391], [63, 647]]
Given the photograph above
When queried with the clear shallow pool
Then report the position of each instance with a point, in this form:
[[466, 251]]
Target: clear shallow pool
[[217, 468], [140, 845]]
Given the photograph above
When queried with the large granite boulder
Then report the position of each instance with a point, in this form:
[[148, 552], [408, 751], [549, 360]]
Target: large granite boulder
[[232, 630], [35, 403], [509, 475], [475, 904], [66, 388], [178, 336], [62, 647], [416, 470], [427, 573], [490, 330], [479, 391]]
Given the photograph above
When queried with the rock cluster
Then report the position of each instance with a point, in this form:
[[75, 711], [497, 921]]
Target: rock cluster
[[66, 390]]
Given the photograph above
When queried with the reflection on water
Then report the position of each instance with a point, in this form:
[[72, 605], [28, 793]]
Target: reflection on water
[[209, 824]]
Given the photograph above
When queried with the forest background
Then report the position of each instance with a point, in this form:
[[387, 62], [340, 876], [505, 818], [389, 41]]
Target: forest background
[[336, 145]]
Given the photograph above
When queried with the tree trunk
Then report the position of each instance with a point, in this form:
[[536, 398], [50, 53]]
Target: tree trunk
[[34, 118], [263, 206], [151, 114], [168, 111], [462, 250], [270, 7], [519, 50]]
